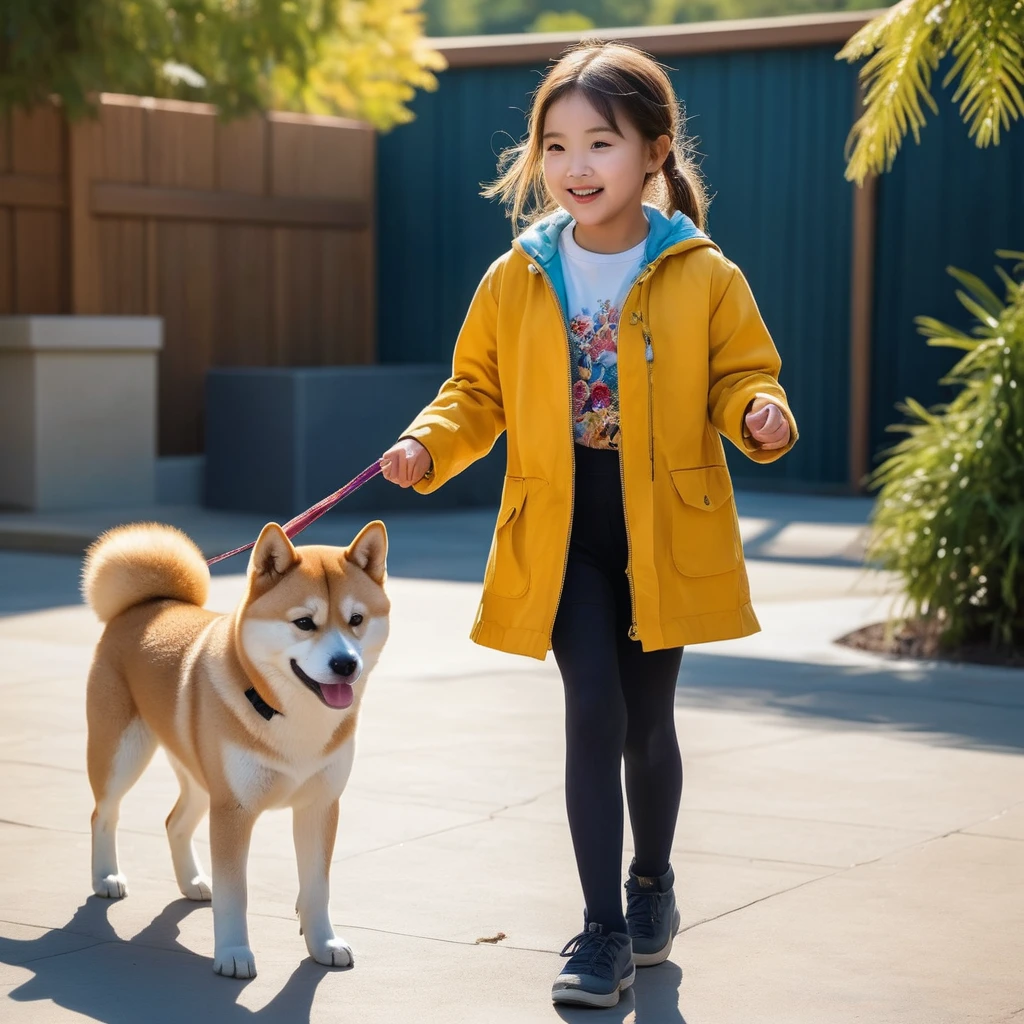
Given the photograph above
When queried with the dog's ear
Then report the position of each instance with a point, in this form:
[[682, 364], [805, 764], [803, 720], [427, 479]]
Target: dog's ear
[[370, 551], [272, 556]]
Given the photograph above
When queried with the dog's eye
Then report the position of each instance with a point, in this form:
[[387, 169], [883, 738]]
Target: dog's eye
[[305, 623], [356, 620]]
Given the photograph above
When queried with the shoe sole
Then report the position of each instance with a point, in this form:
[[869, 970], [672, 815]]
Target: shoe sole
[[578, 997], [652, 959]]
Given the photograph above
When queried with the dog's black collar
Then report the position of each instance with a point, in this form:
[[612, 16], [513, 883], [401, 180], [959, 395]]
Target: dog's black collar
[[260, 704]]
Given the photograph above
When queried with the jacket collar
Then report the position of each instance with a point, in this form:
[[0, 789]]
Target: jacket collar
[[540, 240]]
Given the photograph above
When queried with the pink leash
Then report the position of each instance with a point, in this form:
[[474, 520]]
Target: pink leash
[[311, 515]]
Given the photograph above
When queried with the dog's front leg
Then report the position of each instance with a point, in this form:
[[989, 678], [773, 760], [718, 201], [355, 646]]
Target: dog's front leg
[[230, 832], [315, 827]]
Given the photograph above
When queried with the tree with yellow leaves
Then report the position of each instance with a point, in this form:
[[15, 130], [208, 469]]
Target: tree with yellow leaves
[[360, 58]]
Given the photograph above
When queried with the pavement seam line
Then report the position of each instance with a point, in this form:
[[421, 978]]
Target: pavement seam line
[[807, 821], [342, 926], [116, 941], [986, 835], [441, 831], [762, 899], [834, 874], [66, 952]]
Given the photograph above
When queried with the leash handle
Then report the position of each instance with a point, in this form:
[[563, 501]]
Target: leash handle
[[311, 515]]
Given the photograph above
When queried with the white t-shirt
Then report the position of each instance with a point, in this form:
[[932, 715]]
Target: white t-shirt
[[596, 284]]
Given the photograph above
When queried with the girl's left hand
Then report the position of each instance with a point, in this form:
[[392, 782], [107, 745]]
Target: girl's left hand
[[767, 424]]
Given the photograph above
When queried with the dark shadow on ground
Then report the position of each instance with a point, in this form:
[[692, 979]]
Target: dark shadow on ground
[[149, 978], [955, 705]]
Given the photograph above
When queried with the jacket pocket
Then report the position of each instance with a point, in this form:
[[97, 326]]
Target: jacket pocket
[[705, 535], [508, 568]]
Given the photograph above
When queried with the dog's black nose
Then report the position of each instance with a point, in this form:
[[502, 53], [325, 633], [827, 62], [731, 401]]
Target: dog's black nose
[[343, 666]]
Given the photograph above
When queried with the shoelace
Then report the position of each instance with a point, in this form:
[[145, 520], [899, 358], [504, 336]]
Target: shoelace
[[590, 953], [643, 912]]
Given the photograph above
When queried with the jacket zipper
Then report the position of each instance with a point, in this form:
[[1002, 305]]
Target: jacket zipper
[[649, 357], [637, 318], [572, 441], [633, 632]]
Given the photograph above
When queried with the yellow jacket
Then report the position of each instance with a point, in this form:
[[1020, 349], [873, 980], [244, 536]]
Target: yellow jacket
[[693, 310]]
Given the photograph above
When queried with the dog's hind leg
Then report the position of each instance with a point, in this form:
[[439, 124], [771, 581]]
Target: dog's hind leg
[[182, 823], [120, 746]]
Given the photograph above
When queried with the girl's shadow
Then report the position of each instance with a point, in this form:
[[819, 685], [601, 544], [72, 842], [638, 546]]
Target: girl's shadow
[[151, 977], [652, 999]]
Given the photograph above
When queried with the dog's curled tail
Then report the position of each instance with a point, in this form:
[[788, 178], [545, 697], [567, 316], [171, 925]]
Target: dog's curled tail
[[132, 564]]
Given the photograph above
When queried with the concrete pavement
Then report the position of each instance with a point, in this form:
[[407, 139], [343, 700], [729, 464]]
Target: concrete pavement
[[850, 847]]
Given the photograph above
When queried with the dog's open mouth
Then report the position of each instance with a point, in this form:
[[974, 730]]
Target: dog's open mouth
[[334, 695]]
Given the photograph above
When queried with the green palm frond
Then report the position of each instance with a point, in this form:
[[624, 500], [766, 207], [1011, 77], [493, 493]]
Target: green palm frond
[[990, 61], [897, 80], [904, 46], [869, 38]]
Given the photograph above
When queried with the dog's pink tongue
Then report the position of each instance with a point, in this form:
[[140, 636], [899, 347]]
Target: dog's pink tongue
[[338, 695]]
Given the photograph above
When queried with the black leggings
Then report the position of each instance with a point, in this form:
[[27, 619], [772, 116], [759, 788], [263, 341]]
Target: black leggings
[[618, 702]]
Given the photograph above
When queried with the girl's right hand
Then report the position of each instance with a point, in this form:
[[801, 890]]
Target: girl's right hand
[[405, 463]]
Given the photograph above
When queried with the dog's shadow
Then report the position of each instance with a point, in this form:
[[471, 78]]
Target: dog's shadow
[[652, 999], [151, 977]]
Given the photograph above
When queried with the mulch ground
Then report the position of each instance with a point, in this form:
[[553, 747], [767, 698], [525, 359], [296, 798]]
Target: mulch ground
[[915, 639]]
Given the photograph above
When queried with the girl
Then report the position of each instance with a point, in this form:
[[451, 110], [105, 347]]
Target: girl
[[615, 344]]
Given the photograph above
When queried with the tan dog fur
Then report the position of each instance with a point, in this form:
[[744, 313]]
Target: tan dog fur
[[166, 671]]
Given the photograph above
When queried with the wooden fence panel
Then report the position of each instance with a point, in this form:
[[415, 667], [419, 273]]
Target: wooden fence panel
[[6, 225], [254, 240], [241, 156], [33, 213], [181, 145], [40, 252], [245, 310], [187, 285], [6, 262]]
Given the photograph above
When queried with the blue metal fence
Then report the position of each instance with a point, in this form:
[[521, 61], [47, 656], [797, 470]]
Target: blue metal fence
[[944, 203]]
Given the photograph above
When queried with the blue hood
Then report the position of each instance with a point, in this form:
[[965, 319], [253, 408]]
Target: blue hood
[[540, 241]]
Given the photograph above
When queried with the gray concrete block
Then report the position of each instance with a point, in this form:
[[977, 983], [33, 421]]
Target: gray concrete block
[[280, 439], [78, 411]]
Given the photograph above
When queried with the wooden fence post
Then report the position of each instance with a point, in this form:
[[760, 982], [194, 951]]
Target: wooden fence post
[[85, 138]]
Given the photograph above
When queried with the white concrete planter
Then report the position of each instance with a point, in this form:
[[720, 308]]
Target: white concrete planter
[[78, 411]]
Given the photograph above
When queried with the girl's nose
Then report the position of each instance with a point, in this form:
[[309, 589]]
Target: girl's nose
[[579, 167]]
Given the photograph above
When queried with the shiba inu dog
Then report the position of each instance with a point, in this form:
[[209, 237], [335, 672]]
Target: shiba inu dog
[[256, 709]]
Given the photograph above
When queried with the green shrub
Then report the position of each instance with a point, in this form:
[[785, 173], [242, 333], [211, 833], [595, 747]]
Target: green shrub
[[949, 516]]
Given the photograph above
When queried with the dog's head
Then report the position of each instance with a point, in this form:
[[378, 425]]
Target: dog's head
[[314, 619]]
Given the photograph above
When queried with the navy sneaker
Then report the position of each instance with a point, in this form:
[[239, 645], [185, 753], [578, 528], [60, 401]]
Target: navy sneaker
[[600, 966], [651, 916]]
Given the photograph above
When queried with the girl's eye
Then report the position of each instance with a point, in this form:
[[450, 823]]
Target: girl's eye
[[305, 623], [599, 143], [554, 148], [356, 620]]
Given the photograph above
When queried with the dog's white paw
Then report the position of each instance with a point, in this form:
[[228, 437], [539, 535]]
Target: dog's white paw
[[234, 962], [198, 889], [332, 953], [111, 887]]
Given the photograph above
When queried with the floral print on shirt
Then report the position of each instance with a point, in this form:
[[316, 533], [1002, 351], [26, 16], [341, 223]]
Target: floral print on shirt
[[593, 339]]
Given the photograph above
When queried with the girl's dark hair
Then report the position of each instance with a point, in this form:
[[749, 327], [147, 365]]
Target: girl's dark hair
[[613, 77]]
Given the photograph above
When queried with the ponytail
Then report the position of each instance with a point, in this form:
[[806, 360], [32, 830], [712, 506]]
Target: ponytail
[[685, 188]]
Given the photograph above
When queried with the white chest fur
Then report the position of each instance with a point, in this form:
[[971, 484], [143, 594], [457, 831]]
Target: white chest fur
[[261, 781]]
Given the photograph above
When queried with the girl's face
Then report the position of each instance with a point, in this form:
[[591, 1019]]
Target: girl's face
[[593, 171]]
